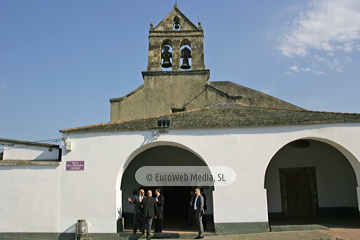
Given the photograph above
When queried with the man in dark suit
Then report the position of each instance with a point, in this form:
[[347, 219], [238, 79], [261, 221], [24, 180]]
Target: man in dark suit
[[191, 208], [199, 212], [150, 211], [160, 204], [205, 208], [138, 211]]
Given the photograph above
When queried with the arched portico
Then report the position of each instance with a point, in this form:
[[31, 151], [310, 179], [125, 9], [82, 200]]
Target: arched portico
[[176, 197], [312, 178]]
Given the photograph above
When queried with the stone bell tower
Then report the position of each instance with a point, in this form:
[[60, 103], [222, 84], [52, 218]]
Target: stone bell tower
[[175, 71], [176, 35], [176, 79]]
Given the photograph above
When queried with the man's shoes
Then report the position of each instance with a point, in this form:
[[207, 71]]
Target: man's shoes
[[199, 237]]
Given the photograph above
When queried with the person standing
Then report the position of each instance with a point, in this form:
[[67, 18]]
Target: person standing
[[160, 204], [205, 208], [150, 211], [138, 215], [191, 208], [199, 212]]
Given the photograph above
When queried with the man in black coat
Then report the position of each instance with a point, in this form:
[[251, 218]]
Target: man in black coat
[[138, 211], [150, 211], [205, 208], [160, 204]]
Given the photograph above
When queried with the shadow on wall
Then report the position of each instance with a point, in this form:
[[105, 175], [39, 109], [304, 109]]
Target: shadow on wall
[[68, 233]]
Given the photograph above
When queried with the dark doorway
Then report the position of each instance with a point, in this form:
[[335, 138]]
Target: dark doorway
[[299, 197], [176, 207], [177, 198], [177, 204]]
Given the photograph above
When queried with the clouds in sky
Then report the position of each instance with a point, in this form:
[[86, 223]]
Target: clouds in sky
[[324, 29], [329, 25]]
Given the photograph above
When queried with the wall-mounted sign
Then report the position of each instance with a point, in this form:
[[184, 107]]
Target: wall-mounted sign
[[75, 165]]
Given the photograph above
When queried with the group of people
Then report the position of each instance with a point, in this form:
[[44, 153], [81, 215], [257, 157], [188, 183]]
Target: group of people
[[147, 208]]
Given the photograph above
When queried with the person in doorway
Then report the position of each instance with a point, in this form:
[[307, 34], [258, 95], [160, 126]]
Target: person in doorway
[[160, 204], [199, 212], [205, 208], [138, 211], [191, 209], [150, 212]]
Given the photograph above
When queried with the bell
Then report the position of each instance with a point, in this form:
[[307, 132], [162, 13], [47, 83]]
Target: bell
[[166, 63], [166, 55], [176, 25], [185, 64]]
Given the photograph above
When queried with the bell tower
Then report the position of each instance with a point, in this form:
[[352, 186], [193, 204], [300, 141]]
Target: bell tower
[[176, 44], [175, 74]]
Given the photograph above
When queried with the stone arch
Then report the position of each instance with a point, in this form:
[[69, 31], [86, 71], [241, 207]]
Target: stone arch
[[122, 173], [186, 51], [185, 42], [331, 171], [166, 54]]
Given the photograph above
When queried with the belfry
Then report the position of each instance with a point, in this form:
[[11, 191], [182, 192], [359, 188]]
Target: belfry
[[176, 78]]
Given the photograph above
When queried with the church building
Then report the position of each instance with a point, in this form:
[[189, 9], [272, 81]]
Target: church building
[[290, 163]]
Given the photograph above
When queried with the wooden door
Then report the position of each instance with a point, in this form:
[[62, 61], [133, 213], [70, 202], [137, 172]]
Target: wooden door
[[299, 197]]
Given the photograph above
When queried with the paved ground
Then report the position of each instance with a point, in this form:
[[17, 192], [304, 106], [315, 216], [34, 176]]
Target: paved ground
[[332, 234], [346, 233]]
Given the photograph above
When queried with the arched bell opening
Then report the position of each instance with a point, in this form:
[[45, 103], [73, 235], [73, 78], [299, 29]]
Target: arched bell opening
[[166, 55], [176, 24], [186, 55]]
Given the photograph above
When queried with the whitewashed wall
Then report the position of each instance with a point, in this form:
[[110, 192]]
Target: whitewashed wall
[[30, 152], [30, 198], [94, 194]]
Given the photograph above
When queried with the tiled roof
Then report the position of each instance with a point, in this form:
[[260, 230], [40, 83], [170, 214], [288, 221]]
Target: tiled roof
[[226, 117], [3, 140]]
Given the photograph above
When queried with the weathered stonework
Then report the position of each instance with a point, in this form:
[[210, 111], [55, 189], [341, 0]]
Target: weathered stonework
[[164, 91]]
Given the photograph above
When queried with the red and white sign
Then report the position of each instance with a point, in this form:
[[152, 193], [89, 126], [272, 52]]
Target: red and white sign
[[75, 165]]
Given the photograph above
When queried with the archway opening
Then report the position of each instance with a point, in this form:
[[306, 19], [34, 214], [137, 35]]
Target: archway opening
[[185, 55], [177, 198], [310, 182], [166, 55]]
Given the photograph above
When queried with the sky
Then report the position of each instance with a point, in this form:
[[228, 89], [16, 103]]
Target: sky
[[61, 61]]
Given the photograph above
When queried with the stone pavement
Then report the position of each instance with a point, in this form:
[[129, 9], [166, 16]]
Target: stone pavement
[[345, 233], [331, 234]]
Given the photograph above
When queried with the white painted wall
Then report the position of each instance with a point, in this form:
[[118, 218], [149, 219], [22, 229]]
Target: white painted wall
[[30, 152], [30, 195], [93, 194], [30, 198], [336, 181]]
